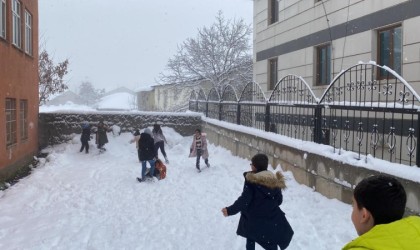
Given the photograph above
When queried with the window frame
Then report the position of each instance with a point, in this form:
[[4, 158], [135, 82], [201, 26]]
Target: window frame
[[323, 78], [273, 11], [273, 73], [16, 23], [381, 74], [23, 119], [3, 18], [11, 122], [28, 33]]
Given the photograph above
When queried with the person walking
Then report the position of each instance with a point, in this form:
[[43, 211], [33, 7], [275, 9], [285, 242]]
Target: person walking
[[262, 221], [160, 141], [198, 149], [146, 153], [85, 137]]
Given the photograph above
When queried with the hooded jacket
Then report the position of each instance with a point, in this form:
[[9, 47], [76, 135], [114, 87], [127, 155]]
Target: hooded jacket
[[146, 146], [402, 234], [262, 220]]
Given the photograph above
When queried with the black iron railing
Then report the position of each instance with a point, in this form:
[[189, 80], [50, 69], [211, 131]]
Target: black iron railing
[[357, 112]]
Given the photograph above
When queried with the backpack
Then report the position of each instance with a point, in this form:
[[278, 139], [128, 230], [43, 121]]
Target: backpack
[[160, 170]]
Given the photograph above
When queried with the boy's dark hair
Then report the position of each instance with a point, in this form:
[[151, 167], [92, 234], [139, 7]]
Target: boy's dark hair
[[260, 162], [383, 196], [198, 130]]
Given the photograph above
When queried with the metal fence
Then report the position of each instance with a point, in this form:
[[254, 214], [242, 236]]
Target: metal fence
[[357, 112]]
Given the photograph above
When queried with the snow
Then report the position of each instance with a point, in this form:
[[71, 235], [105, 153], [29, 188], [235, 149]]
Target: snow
[[75, 200], [118, 101]]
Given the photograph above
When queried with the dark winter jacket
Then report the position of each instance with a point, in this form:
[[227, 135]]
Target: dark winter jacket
[[101, 137], [85, 134], [146, 147], [262, 220]]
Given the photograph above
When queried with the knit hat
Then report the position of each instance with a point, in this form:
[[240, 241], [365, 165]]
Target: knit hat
[[147, 131]]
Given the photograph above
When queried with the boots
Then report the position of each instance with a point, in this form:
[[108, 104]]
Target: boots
[[166, 160]]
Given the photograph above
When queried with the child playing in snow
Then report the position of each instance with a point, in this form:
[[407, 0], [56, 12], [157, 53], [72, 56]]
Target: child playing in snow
[[378, 207], [199, 148], [262, 220], [160, 141], [85, 137]]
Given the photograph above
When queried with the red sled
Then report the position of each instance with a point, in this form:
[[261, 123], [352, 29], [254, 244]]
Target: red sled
[[160, 170]]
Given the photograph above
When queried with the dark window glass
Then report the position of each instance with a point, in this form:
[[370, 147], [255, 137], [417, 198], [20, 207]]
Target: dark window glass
[[389, 54], [323, 72], [272, 73]]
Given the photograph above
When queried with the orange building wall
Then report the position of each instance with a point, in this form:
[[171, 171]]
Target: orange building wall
[[19, 80]]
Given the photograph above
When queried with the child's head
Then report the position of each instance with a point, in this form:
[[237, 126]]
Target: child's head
[[156, 127], [198, 131], [377, 200], [260, 162]]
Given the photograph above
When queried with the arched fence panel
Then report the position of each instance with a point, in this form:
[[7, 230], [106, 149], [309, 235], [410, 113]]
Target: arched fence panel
[[372, 116], [213, 104], [252, 106], [292, 107], [358, 112], [229, 104], [192, 103], [201, 101]]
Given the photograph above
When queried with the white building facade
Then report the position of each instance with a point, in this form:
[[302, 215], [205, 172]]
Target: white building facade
[[318, 39]]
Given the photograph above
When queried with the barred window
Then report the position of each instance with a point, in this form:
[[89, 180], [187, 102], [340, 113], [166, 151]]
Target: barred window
[[11, 137]]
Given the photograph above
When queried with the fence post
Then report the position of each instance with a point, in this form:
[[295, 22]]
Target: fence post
[[220, 111], [267, 117], [418, 142], [238, 114], [318, 124]]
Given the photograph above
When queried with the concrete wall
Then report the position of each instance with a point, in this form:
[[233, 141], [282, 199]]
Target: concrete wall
[[329, 177]]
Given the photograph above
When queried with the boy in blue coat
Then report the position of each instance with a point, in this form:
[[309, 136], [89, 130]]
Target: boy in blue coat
[[262, 220]]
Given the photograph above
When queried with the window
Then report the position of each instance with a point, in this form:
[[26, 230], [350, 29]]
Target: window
[[28, 33], [3, 18], [272, 74], [23, 117], [323, 65], [10, 121], [389, 46], [17, 32], [273, 11]]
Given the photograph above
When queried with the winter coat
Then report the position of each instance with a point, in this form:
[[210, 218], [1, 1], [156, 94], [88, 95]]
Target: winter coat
[[136, 140], [262, 220], [85, 137], [101, 137], [146, 147], [401, 234], [160, 169], [204, 151]]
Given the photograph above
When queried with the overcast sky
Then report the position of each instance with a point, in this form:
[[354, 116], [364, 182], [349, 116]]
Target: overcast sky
[[125, 42]]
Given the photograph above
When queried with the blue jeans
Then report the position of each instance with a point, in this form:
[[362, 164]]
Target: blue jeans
[[143, 168]]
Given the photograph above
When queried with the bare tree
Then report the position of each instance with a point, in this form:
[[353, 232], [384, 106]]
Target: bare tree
[[50, 76], [220, 54]]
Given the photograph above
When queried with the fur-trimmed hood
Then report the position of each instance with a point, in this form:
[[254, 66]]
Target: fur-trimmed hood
[[266, 179]]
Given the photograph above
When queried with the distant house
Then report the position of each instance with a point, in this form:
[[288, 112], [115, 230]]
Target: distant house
[[66, 97], [18, 85]]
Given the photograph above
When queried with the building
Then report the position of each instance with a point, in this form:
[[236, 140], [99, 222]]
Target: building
[[317, 39], [18, 85]]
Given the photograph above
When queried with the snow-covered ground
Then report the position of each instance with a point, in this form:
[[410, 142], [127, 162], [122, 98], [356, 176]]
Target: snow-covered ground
[[93, 201]]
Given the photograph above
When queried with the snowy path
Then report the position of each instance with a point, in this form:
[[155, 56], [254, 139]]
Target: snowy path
[[93, 201]]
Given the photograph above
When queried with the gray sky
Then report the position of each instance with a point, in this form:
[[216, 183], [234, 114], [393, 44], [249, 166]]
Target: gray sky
[[125, 42]]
